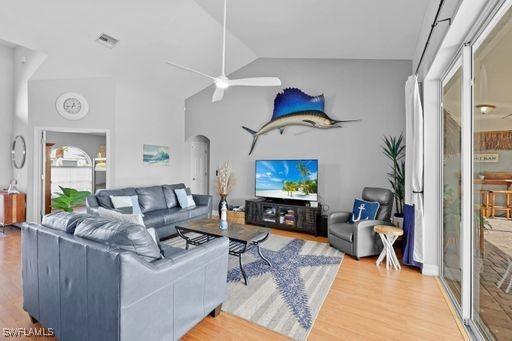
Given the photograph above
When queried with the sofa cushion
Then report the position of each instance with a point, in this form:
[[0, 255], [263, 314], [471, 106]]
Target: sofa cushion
[[198, 211], [154, 219], [103, 196], [170, 251], [64, 221], [120, 235], [344, 231], [151, 198], [170, 196], [176, 214]]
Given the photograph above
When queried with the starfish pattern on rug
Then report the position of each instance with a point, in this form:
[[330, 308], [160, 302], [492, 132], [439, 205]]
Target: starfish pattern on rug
[[285, 270]]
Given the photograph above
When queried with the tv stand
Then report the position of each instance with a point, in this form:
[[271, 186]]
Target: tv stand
[[283, 214], [285, 201]]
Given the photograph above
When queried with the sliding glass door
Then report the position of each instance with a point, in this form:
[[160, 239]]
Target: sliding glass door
[[452, 175], [492, 178], [476, 258]]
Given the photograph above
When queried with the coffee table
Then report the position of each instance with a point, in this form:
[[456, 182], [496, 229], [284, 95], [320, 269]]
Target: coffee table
[[242, 237]]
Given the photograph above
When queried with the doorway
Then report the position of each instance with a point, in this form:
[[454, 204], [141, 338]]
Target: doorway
[[199, 164], [73, 160]]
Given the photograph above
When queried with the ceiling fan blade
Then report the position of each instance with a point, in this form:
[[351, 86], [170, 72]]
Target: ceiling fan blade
[[256, 81], [506, 116], [192, 70], [218, 94], [224, 40]]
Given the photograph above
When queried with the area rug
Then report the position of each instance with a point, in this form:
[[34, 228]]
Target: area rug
[[286, 297]]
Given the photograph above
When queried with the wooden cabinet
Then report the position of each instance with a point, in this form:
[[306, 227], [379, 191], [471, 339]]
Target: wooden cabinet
[[237, 217], [287, 216], [12, 208]]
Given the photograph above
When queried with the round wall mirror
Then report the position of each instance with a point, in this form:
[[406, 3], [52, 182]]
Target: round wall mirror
[[18, 152]]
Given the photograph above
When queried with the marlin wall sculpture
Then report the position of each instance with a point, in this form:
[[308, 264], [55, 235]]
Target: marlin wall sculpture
[[292, 107]]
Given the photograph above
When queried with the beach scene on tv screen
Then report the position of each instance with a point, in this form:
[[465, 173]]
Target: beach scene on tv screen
[[287, 179]]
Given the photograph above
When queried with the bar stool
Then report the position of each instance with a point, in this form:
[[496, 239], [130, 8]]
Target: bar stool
[[508, 203], [485, 206]]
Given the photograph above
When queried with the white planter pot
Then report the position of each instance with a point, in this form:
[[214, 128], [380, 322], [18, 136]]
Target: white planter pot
[[398, 221]]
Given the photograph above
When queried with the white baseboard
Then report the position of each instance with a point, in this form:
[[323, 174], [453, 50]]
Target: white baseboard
[[430, 270]]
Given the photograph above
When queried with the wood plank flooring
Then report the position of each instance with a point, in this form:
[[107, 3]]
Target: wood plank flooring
[[364, 303]]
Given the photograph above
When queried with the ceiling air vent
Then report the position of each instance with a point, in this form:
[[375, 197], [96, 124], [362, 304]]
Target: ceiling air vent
[[107, 40]]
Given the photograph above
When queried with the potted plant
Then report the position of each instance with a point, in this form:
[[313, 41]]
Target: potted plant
[[225, 183], [69, 199], [394, 149]]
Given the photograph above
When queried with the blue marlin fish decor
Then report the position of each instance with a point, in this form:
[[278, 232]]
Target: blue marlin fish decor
[[293, 107]]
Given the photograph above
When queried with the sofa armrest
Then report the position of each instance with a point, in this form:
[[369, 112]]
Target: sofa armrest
[[339, 217], [202, 199], [211, 257], [92, 205]]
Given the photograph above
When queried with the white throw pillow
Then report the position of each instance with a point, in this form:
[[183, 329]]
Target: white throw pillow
[[126, 201], [185, 198], [127, 218]]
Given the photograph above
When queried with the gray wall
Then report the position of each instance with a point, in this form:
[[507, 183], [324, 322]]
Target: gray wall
[[6, 112], [349, 158]]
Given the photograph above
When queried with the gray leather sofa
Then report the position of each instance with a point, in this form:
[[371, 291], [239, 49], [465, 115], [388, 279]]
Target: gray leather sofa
[[359, 239], [87, 290], [158, 204]]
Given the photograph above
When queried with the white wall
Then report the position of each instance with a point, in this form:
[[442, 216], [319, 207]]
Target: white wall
[[145, 116], [349, 158], [6, 112], [134, 115], [26, 62]]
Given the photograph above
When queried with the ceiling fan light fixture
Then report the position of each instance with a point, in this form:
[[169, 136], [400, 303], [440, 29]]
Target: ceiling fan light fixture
[[222, 84], [485, 108]]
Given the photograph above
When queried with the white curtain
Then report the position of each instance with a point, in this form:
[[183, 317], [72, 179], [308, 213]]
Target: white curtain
[[414, 160]]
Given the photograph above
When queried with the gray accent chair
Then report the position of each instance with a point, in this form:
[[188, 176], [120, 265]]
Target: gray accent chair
[[158, 204], [359, 239], [89, 290]]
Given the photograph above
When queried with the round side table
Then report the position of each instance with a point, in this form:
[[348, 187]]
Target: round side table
[[388, 235]]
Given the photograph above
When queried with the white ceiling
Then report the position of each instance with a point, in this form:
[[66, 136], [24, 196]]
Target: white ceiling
[[189, 32], [359, 29]]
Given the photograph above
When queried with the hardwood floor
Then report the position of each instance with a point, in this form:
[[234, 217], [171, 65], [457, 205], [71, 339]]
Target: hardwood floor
[[364, 303]]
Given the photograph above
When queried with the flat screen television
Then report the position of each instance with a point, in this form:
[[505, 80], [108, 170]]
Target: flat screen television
[[287, 179]]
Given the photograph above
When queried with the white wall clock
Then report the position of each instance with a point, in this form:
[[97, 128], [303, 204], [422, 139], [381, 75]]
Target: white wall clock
[[72, 106]]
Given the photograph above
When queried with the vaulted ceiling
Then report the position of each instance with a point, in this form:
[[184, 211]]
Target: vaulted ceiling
[[362, 29], [189, 32]]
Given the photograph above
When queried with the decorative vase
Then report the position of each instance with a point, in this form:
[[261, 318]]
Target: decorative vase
[[222, 200]]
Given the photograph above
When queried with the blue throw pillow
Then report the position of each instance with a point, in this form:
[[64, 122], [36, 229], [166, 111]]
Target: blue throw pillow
[[364, 210]]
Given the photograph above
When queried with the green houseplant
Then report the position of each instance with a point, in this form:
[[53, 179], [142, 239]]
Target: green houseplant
[[394, 149], [69, 199]]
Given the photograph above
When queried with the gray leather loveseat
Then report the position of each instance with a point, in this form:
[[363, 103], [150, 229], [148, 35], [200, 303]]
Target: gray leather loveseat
[[89, 290], [158, 204]]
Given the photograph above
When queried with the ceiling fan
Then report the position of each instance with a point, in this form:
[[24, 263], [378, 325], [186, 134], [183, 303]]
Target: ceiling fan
[[222, 82]]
